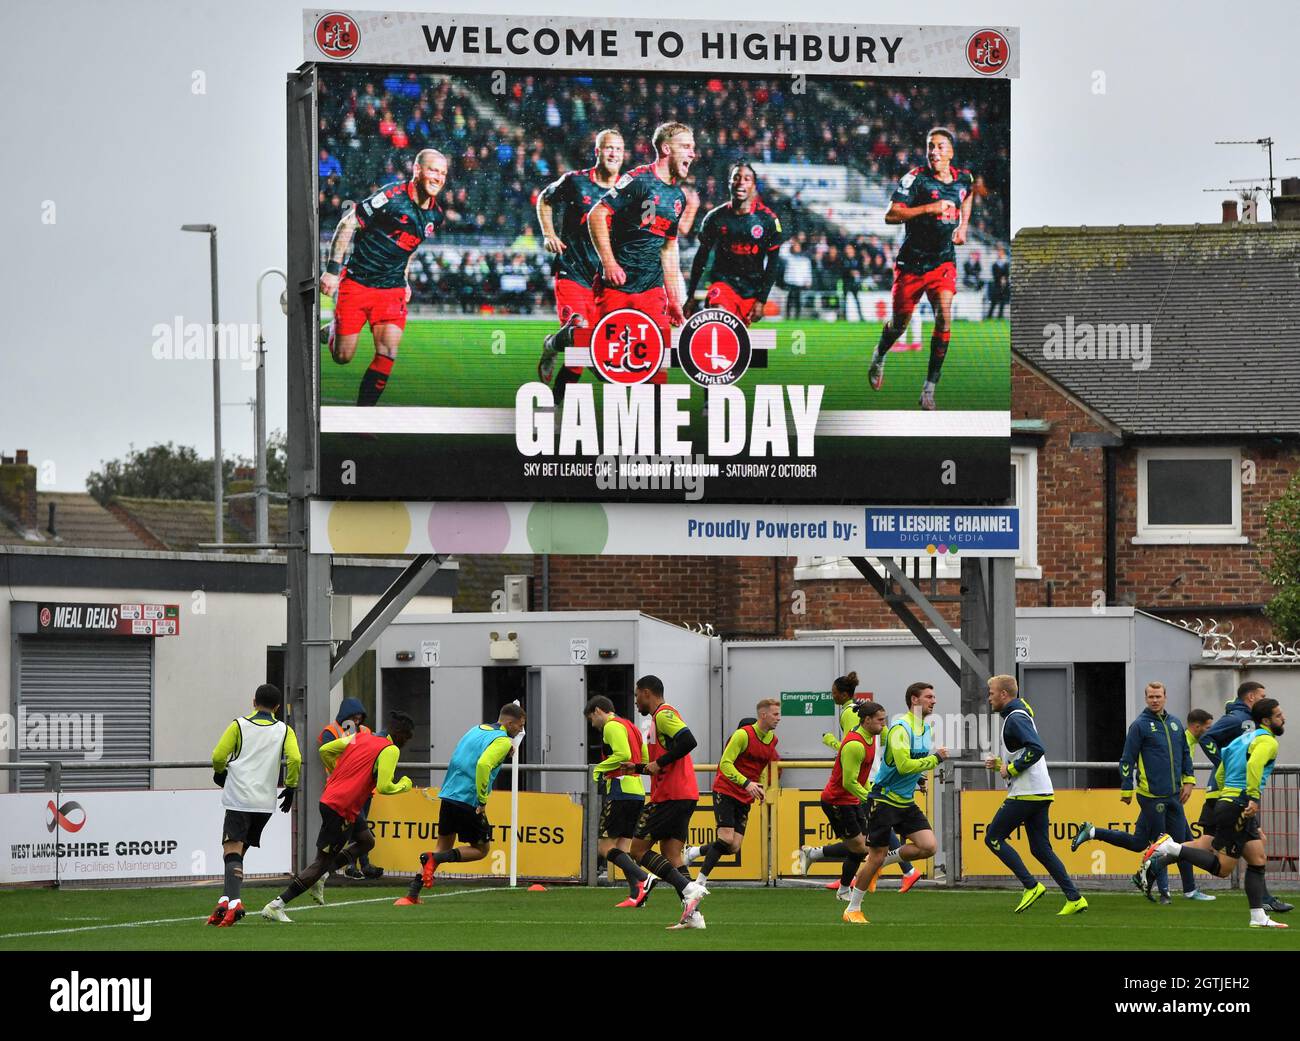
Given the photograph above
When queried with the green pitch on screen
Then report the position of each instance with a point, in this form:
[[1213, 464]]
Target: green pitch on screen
[[482, 363]]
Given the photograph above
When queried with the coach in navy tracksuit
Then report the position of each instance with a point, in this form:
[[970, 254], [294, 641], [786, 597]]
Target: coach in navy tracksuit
[[1158, 762]]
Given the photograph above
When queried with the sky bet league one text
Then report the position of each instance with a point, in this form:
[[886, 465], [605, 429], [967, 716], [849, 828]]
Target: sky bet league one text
[[724, 399]]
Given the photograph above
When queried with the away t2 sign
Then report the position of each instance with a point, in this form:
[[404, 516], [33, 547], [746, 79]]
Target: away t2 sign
[[109, 619]]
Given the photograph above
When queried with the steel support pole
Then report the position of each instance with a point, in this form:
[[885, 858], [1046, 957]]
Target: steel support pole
[[307, 664]]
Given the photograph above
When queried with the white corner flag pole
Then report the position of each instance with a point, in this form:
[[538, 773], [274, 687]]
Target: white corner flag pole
[[514, 809]]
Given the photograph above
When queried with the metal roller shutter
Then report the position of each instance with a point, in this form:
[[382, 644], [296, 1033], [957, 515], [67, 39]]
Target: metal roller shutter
[[109, 676]]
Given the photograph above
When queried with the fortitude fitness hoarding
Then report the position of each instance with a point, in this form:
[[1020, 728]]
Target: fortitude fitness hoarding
[[452, 242]]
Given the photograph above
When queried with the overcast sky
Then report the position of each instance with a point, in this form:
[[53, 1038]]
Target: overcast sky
[[101, 119]]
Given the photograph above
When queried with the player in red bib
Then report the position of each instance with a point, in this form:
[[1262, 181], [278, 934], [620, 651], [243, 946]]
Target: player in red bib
[[935, 205], [383, 232], [673, 795], [358, 766], [570, 199], [744, 237], [844, 799], [750, 750]]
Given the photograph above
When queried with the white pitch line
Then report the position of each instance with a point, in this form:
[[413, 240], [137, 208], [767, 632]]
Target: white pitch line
[[175, 921]]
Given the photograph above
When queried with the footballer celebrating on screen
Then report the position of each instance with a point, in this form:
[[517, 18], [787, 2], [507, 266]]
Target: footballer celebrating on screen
[[384, 232], [634, 229], [935, 205], [576, 260], [743, 236]]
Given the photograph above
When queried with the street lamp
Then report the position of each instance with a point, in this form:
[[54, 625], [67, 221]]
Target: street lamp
[[218, 483], [259, 480]]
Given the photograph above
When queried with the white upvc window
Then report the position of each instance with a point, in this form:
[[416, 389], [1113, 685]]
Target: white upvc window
[[1188, 496], [1024, 493]]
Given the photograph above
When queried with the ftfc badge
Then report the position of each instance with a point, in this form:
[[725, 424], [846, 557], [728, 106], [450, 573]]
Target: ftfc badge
[[713, 348], [627, 347]]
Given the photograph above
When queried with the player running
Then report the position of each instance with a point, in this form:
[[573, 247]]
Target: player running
[[246, 764], [1244, 772], [750, 750], [621, 793], [1029, 799], [743, 236], [909, 753], [844, 799], [576, 261], [1212, 740], [384, 232], [935, 205], [673, 796], [358, 766], [351, 719], [634, 229], [842, 693], [471, 773]]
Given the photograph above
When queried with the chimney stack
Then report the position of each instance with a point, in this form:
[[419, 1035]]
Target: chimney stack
[[1229, 211], [18, 489], [1286, 207]]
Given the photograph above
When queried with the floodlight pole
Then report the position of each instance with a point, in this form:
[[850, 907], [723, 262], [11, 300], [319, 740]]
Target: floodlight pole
[[218, 481]]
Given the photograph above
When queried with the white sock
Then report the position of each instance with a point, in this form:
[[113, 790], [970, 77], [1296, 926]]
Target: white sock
[[855, 899], [224, 900], [277, 902], [1258, 916], [1170, 848], [928, 386], [692, 854], [236, 902], [890, 858], [815, 852], [842, 890], [702, 879]]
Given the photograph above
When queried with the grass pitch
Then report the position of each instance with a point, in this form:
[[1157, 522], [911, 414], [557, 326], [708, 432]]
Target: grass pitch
[[462, 918], [482, 362]]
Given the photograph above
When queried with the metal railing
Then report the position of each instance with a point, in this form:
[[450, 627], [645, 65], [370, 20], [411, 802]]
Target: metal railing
[[1279, 818]]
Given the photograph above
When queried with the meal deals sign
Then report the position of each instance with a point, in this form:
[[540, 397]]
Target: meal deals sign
[[108, 619], [90, 836]]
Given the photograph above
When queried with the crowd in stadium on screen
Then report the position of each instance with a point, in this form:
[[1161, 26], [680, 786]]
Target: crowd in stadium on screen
[[488, 252]]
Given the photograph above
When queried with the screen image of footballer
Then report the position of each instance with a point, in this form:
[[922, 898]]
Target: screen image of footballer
[[797, 285]]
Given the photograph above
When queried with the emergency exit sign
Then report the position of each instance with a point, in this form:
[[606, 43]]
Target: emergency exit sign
[[807, 703]]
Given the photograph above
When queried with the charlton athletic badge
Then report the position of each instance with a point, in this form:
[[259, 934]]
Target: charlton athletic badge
[[627, 347], [337, 36], [988, 52], [713, 348]]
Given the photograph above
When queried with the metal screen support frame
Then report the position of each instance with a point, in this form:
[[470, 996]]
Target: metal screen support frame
[[403, 590], [308, 642], [914, 625]]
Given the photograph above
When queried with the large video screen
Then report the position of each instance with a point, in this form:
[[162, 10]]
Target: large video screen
[[649, 287]]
